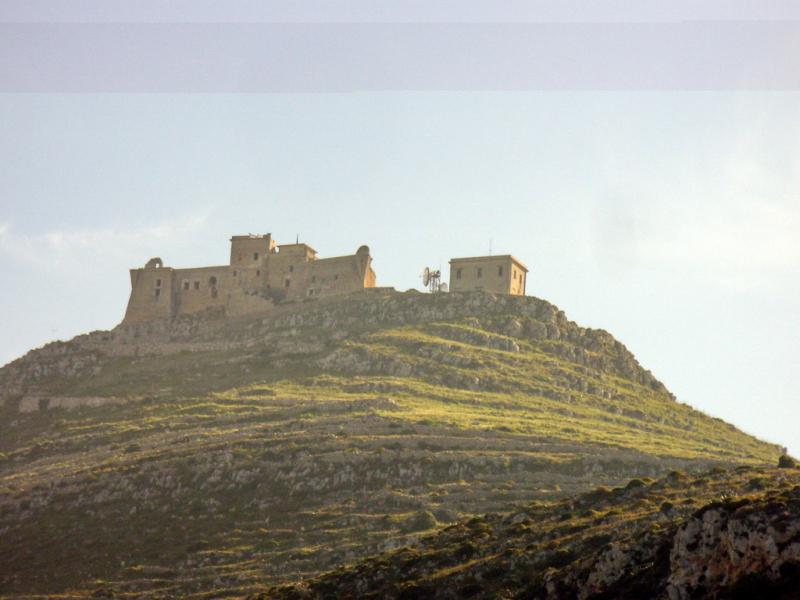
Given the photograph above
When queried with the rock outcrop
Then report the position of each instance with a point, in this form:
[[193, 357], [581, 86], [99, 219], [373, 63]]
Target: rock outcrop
[[644, 540], [310, 327]]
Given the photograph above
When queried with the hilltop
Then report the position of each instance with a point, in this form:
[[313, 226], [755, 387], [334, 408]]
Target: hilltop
[[212, 455]]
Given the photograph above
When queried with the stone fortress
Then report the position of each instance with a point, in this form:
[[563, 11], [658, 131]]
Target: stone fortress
[[261, 273]]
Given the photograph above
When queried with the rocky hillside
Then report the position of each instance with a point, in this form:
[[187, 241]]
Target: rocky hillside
[[212, 456], [722, 534]]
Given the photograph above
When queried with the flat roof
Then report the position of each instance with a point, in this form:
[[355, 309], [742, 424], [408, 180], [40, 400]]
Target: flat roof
[[300, 245], [251, 236], [490, 259]]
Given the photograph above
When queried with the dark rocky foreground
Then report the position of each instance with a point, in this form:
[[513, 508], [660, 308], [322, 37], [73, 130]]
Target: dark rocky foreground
[[724, 535]]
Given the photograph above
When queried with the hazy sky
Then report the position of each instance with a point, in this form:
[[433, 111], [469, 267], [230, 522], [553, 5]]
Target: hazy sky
[[666, 213]]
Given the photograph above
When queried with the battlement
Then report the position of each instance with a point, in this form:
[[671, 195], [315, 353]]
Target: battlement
[[259, 274]]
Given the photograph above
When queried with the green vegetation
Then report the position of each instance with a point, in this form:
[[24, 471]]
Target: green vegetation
[[702, 537], [287, 447]]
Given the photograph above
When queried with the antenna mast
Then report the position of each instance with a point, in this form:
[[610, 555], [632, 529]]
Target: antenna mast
[[431, 279]]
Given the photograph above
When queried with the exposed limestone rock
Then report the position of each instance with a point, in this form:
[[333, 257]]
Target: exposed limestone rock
[[723, 544], [35, 403], [285, 332], [600, 545]]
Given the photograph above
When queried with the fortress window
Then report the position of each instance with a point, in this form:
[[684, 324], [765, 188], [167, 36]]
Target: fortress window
[[234, 273], [458, 273], [480, 272], [158, 283], [258, 272], [500, 271], [287, 283], [212, 281], [158, 292], [255, 255], [197, 285], [186, 285], [335, 277], [291, 268]]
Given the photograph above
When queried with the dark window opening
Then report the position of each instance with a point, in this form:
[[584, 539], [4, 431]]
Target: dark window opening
[[197, 285], [258, 273], [186, 285], [287, 283], [458, 273], [212, 281], [291, 268], [235, 273], [158, 283], [500, 271], [480, 272], [255, 255], [158, 292], [335, 277]]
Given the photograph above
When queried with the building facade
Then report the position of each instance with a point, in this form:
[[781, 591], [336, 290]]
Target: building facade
[[497, 274], [260, 273]]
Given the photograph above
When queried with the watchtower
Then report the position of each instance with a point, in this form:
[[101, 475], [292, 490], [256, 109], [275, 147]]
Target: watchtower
[[250, 250]]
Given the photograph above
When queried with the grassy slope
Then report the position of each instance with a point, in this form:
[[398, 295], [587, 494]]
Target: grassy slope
[[609, 543], [239, 467]]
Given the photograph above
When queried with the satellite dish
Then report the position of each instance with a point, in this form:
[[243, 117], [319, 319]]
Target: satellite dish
[[431, 279]]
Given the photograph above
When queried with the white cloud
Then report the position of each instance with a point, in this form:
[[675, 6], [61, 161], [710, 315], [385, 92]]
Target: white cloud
[[749, 238], [736, 244], [67, 249]]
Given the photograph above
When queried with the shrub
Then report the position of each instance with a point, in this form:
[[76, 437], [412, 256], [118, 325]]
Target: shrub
[[787, 462], [635, 483], [466, 550], [561, 558], [420, 521], [675, 476]]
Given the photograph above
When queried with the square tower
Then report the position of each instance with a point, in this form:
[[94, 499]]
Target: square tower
[[250, 250], [497, 274]]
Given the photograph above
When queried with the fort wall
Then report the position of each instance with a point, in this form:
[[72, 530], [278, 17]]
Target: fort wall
[[201, 288], [260, 272], [152, 293]]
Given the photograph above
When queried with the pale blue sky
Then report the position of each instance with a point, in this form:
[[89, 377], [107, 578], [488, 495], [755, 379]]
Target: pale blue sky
[[670, 217]]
